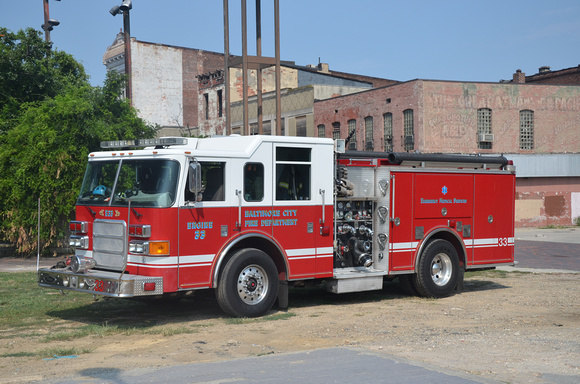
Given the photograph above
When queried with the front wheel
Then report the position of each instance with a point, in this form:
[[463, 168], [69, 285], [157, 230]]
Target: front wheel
[[438, 270], [248, 285]]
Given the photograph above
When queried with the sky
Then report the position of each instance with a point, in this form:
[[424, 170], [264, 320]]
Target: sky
[[462, 40]]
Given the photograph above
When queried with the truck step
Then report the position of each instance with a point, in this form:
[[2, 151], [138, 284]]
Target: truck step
[[355, 280]]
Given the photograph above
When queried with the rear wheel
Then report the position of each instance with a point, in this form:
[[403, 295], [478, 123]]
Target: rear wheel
[[248, 285], [438, 270]]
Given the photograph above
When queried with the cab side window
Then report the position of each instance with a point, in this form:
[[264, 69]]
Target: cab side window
[[254, 182], [212, 174], [293, 178]]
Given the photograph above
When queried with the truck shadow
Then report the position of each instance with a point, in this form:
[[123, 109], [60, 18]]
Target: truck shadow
[[202, 306]]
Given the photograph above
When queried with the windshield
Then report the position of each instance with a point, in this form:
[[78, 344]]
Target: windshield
[[147, 183]]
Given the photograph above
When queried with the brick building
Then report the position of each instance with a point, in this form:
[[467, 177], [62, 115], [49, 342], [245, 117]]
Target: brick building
[[165, 84], [301, 86], [534, 119], [520, 120], [545, 75], [182, 89]]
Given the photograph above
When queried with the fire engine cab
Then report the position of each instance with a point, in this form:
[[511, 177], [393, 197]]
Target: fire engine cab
[[248, 215]]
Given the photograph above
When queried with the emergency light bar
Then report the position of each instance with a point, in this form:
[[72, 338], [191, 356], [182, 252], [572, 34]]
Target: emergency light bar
[[164, 141]]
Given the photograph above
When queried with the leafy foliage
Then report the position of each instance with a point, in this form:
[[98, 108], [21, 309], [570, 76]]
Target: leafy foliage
[[49, 129], [31, 71]]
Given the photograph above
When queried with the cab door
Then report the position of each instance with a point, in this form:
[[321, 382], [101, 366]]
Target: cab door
[[203, 222]]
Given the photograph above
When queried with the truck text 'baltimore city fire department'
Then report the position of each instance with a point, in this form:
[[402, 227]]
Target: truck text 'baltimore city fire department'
[[248, 215]]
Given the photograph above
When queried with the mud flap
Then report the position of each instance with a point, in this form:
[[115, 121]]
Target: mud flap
[[460, 283], [283, 294]]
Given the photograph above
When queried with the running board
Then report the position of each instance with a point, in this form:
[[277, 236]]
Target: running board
[[355, 280]]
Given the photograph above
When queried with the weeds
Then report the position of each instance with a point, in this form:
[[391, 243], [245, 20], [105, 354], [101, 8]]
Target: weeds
[[59, 352], [246, 320]]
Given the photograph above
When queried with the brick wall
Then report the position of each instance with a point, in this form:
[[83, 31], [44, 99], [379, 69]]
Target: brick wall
[[445, 115]]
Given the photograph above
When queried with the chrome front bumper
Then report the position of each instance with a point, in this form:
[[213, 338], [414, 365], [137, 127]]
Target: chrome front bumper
[[112, 284]]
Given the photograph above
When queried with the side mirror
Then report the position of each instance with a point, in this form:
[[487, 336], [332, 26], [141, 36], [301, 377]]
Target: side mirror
[[194, 177]]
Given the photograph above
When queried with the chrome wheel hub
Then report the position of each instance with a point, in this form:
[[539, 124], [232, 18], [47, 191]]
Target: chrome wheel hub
[[441, 269], [252, 284]]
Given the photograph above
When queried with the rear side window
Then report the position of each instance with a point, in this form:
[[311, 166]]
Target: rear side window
[[293, 178], [254, 182]]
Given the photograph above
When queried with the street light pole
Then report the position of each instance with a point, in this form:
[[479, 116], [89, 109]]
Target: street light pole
[[45, 25], [127, 39], [48, 22], [124, 9]]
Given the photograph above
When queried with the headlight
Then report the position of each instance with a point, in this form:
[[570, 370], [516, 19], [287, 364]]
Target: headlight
[[79, 241], [78, 264], [154, 248]]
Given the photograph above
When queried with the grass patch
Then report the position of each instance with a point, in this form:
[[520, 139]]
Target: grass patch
[[172, 331], [247, 320], [29, 311], [61, 352], [20, 354], [94, 330]]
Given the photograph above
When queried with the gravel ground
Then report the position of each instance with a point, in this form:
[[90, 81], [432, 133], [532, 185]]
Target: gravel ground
[[508, 327]]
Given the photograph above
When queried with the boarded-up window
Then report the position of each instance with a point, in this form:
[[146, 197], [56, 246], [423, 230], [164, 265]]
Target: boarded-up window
[[301, 126]]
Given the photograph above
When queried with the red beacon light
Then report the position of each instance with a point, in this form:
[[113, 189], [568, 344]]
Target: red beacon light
[[140, 230], [510, 166], [78, 226]]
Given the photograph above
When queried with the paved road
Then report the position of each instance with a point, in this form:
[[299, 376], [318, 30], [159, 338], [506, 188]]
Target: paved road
[[333, 365], [548, 250]]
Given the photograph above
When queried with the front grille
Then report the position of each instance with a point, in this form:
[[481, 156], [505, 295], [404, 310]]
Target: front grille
[[110, 244]]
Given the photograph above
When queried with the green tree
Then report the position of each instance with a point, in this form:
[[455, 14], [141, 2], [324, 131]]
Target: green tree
[[31, 71], [44, 151]]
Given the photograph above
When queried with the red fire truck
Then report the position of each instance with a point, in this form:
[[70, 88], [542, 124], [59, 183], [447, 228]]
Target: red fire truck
[[248, 215]]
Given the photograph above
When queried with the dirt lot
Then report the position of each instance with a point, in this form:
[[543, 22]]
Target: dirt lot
[[510, 327]]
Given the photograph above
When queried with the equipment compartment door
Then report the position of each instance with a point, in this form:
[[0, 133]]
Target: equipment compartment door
[[402, 243], [494, 219]]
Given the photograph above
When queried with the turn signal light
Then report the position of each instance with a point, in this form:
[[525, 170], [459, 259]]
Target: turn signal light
[[159, 248], [153, 248], [149, 286]]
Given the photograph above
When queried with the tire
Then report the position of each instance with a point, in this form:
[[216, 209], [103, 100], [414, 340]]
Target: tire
[[407, 283], [248, 284], [438, 270]]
